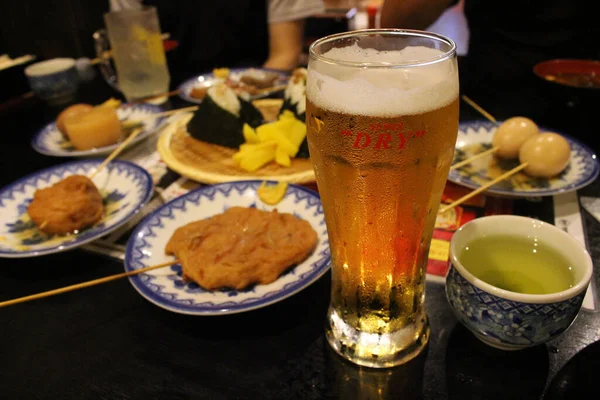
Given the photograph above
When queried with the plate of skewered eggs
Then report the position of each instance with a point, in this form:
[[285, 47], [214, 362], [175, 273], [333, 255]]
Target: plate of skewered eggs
[[532, 160]]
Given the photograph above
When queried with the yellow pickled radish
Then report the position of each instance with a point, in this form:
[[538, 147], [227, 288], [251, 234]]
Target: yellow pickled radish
[[250, 134], [221, 73], [255, 159], [112, 102], [282, 158], [272, 194]]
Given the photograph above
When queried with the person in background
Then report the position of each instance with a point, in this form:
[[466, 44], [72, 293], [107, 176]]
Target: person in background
[[507, 38], [239, 33]]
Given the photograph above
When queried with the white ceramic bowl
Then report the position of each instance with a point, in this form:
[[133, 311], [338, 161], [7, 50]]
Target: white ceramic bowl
[[510, 320]]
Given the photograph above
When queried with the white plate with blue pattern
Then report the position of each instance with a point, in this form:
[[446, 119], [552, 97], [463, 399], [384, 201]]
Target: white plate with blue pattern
[[124, 186], [207, 80], [476, 136], [166, 288], [49, 141]]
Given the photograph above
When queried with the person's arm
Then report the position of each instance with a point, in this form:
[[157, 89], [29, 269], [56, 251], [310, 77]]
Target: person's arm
[[285, 44], [412, 14], [286, 30]]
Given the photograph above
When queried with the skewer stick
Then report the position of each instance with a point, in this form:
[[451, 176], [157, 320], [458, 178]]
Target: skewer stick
[[117, 151], [171, 112], [485, 153], [483, 188], [135, 123], [475, 157], [479, 109], [156, 96], [271, 89], [85, 284]]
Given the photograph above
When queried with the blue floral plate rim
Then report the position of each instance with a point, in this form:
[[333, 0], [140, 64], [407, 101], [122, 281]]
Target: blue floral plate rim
[[321, 266], [37, 142], [591, 159], [63, 169]]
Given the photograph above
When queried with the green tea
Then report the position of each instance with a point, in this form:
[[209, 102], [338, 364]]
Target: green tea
[[518, 264]]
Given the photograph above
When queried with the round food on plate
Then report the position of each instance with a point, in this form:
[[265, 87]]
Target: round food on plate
[[241, 247], [69, 112], [68, 206], [546, 155], [63, 192], [511, 134], [98, 127], [475, 137], [209, 219]]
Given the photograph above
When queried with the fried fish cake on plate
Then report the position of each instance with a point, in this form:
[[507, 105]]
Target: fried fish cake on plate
[[241, 247], [192, 215], [67, 206]]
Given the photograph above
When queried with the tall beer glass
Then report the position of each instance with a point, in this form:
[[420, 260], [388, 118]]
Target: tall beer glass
[[382, 119]]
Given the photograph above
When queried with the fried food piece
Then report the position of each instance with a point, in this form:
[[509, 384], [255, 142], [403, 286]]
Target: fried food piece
[[69, 205], [198, 92], [259, 78], [241, 247]]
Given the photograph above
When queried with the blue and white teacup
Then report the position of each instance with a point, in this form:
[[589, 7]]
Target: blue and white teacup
[[509, 320], [55, 80]]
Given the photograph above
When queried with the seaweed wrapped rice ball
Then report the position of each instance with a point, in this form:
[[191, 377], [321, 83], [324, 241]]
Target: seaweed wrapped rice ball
[[295, 101], [221, 116]]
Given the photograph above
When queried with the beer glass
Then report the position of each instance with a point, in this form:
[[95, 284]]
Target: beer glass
[[382, 120], [138, 53]]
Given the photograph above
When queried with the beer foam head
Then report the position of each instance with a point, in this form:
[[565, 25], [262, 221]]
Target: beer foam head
[[402, 89]]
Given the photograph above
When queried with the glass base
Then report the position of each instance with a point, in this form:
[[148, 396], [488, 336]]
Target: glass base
[[377, 350]]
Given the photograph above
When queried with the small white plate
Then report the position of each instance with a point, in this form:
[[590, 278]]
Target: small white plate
[[124, 186], [207, 80], [165, 286], [476, 136], [49, 141]]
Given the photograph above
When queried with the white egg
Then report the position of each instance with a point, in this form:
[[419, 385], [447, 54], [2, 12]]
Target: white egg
[[546, 154], [511, 134]]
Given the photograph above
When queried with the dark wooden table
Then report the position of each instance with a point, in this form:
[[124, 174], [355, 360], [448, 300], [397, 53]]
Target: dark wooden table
[[107, 342]]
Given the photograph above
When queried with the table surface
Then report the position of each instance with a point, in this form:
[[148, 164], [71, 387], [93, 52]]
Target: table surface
[[107, 342]]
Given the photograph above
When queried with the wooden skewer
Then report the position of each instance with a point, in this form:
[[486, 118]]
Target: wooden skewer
[[271, 89], [171, 112], [117, 151], [485, 153], [85, 284], [156, 96], [135, 123], [479, 109], [475, 157], [483, 188]]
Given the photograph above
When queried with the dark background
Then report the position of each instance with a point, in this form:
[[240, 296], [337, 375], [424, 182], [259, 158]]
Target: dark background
[[49, 29]]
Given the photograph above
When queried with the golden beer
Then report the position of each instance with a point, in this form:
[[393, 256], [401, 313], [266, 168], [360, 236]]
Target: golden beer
[[381, 141]]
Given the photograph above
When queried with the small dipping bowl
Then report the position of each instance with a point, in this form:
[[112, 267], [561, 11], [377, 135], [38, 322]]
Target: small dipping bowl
[[509, 320], [583, 74], [570, 89], [55, 81]]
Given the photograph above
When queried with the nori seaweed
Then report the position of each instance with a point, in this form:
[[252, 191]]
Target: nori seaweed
[[250, 114], [216, 125], [303, 152], [288, 105]]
